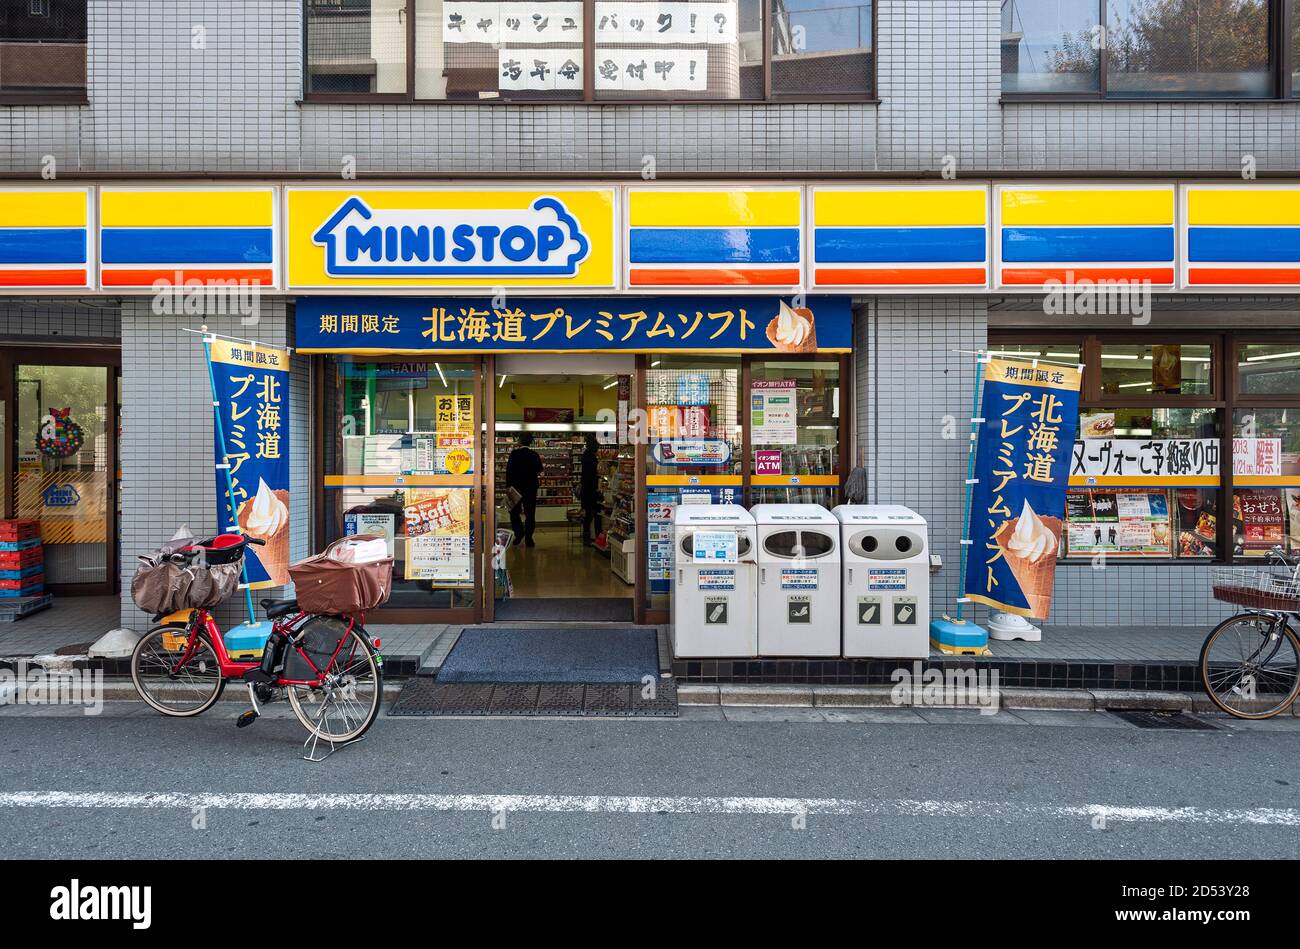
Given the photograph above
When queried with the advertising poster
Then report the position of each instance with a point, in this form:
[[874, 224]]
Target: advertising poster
[[1197, 522], [252, 396], [372, 523], [660, 506], [767, 462], [774, 412], [438, 535], [1119, 523], [677, 421], [454, 454], [1022, 466], [1259, 521], [454, 413], [715, 547], [709, 452]]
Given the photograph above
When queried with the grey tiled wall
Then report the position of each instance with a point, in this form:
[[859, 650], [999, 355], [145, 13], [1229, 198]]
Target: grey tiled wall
[[167, 464], [36, 321], [158, 104]]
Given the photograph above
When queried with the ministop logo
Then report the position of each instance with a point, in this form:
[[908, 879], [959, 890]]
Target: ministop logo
[[542, 240]]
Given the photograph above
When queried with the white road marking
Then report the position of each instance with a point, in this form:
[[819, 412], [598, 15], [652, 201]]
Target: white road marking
[[614, 804]]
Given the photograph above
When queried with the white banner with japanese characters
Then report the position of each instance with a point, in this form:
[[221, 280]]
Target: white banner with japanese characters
[[660, 70], [1145, 458], [673, 23], [496, 23]]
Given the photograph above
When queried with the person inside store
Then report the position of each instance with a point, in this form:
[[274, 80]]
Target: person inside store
[[589, 491], [523, 469]]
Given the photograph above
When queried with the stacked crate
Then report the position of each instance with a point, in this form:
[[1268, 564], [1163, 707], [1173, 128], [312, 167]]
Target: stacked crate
[[22, 567]]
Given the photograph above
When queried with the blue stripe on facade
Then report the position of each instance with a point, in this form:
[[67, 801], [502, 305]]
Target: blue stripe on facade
[[901, 245], [1243, 244], [713, 245], [1086, 244], [42, 245], [186, 245]]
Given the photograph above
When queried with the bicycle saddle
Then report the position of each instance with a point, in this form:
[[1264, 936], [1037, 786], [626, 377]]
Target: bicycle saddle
[[277, 608]]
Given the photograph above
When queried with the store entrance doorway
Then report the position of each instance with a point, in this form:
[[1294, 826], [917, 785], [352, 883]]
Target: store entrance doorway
[[564, 489]]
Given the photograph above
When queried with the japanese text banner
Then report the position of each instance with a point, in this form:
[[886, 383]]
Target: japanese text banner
[[1022, 463], [362, 325], [252, 393]]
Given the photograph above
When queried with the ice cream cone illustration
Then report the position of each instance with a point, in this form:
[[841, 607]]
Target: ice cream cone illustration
[[266, 516], [1029, 545], [793, 330]]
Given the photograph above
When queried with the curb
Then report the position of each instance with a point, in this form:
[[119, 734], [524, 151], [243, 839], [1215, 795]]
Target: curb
[[881, 696], [234, 693]]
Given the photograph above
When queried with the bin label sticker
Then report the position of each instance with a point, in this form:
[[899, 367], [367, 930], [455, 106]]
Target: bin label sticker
[[715, 611], [714, 547], [717, 580], [799, 579], [886, 579], [904, 610], [869, 610], [798, 609]]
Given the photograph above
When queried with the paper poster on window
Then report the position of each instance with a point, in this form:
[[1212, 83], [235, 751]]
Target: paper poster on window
[[668, 23], [774, 415], [1259, 521], [453, 413], [652, 70], [372, 523], [677, 421], [1123, 523], [512, 22], [1150, 457], [543, 69], [1257, 456], [442, 512], [454, 453], [444, 560]]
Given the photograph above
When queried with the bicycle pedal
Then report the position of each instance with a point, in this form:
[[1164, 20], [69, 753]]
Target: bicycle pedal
[[246, 719]]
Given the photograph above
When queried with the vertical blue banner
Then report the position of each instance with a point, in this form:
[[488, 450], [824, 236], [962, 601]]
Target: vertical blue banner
[[1022, 468], [252, 394]]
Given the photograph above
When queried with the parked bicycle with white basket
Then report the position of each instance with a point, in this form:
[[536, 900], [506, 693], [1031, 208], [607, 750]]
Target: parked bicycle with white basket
[[1250, 663]]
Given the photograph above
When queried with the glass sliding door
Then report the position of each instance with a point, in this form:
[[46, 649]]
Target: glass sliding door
[[65, 469]]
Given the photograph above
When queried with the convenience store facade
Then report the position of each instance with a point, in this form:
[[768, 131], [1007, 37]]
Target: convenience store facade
[[379, 287]]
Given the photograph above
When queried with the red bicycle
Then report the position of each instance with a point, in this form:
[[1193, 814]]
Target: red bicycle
[[328, 666]]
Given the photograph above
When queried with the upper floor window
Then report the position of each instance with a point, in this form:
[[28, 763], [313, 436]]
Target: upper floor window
[[1146, 49], [590, 50], [42, 50]]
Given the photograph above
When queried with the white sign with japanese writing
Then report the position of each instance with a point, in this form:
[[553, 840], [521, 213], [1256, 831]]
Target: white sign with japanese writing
[[1257, 456], [1154, 458], [496, 23], [540, 69], [671, 23], [638, 70]]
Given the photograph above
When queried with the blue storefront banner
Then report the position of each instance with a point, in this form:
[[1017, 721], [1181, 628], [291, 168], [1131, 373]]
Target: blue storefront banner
[[420, 325], [251, 387], [1022, 467]]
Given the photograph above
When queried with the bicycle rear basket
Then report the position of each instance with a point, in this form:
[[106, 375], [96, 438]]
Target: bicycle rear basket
[[1257, 589]]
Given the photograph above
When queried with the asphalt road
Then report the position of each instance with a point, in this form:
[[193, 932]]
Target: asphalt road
[[762, 783]]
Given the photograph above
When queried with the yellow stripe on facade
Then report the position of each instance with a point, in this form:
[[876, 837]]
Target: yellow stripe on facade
[[1266, 481], [398, 481], [797, 481], [1043, 207], [669, 481], [900, 208], [1138, 481], [1243, 206], [42, 209], [215, 208], [738, 208]]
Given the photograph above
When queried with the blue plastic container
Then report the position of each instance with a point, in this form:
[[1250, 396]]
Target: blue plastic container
[[247, 641]]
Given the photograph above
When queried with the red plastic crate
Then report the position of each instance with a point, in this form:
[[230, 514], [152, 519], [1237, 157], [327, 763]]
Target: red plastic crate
[[23, 583], [18, 559], [19, 530]]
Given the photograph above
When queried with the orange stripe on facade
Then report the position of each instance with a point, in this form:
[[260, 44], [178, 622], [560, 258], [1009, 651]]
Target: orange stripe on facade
[[1257, 276], [670, 277], [1037, 276], [42, 278], [898, 277], [176, 276]]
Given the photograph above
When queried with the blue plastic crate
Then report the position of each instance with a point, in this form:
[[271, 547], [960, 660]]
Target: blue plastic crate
[[247, 641], [24, 572], [27, 544]]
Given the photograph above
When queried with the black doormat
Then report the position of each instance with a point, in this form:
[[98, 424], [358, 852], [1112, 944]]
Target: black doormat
[[499, 653], [565, 609], [1173, 721], [425, 696]]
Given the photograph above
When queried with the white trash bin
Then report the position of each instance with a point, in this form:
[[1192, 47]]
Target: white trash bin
[[714, 591], [798, 580], [886, 555]]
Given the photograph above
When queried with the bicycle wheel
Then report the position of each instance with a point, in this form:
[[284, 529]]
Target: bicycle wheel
[[347, 703], [191, 690], [1250, 665]]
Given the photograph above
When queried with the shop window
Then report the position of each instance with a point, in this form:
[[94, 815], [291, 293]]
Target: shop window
[[1160, 369], [396, 434], [1266, 474], [1050, 47], [795, 430], [43, 50], [822, 47], [693, 417], [1268, 369], [1140, 48], [536, 50]]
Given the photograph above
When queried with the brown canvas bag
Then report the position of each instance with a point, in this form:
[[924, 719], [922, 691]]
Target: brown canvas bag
[[168, 587], [326, 585]]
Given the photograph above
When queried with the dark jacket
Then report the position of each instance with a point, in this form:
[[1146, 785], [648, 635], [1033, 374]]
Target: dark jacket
[[523, 468], [589, 488]]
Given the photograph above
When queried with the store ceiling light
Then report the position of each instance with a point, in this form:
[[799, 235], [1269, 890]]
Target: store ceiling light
[[501, 384], [438, 366], [610, 385], [1287, 355], [1135, 385]]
